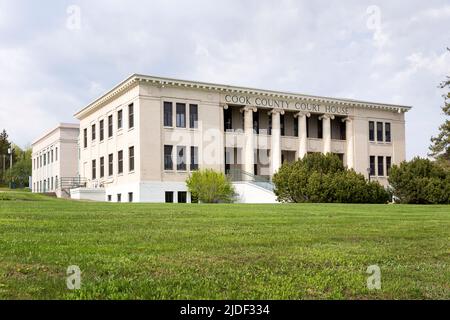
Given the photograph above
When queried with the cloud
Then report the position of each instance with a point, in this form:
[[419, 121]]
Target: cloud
[[320, 47]]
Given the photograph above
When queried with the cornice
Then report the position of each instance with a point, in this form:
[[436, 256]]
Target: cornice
[[135, 79]]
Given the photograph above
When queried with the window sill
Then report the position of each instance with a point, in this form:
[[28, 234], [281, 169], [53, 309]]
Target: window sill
[[131, 172]]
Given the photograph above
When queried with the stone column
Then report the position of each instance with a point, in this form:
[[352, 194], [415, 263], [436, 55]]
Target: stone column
[[275, 140], [249, 145], [326, 132], [302, 133], [349, 137]]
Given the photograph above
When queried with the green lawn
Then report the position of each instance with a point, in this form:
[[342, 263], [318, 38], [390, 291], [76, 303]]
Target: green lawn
[[159, 251]]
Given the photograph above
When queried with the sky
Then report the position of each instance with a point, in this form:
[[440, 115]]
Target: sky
[[57, 56]]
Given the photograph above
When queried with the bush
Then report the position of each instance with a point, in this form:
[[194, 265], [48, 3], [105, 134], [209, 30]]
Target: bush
[[420, 181], [323, 178], [209, 186]]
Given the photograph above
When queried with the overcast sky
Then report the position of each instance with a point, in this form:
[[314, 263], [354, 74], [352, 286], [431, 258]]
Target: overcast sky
[[57, 56]]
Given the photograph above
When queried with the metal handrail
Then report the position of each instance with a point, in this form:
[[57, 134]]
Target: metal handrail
[[238, 175]]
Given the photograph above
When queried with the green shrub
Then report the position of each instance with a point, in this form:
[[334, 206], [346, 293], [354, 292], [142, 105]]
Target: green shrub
[[209, 186], [323, 178], [420, 181]]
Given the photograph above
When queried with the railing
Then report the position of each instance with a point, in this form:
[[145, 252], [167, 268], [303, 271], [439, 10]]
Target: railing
[[238, 175], [67, 183]]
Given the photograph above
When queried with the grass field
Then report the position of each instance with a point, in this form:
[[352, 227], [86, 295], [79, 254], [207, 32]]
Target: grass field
[[159, 251]]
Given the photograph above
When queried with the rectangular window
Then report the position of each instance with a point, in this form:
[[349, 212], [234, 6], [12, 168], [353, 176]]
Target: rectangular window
[[372, 165], [282, 124], [119, 197], [169, 196], [181, 158], [388, 165], [371, 131], [379, 131], [131, 159], [51, 184], [45, 159], [319, 128], [194, 158], [181, 115], [102, 128], [193, 116], [110, 164], [343, 130], [110, 126], [109, 197], [51, 156], [85, 138], [227, 119], [56, 154], [256, 122], [168, 118], [131, 116], [119, 119], [168, 163], [130, 196], [120, 162], [295, 127], [269, 129], [380, 166], [94, 170], [387, 132], [93, 132], [182, 196], [102, 167]]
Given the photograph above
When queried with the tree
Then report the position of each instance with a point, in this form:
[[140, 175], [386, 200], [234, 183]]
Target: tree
[[4, 158], [323, 178], [440, 145], [420, 181], [209, 186], [22, 167]]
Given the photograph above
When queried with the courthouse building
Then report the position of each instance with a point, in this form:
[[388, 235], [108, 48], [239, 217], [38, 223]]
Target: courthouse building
[[142, 139], [54, 155]]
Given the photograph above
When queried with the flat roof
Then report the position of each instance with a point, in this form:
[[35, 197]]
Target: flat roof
[[61, 125], [136, 78]]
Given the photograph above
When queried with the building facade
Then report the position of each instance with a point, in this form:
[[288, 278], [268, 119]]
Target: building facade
[[55, 155], [141, 140]]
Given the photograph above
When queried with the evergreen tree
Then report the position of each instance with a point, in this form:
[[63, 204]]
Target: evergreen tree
[[440, 145]]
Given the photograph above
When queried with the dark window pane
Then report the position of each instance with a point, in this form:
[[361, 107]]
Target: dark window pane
[[371, 131], [182, 196], [227, 119], [102, 125], [130, 196], [85, 138], [169, 196], [168, 114], [119, 119], [181, 115], [379, 131], [110, 126], [193, 116], [194, 158], [380, 166], [387, 131], [120, 162], [131, 116], [102, 167], [319, 128], [94, 170], [282, 124], [93, 132], [131, 158], [295, 127], [181, 158], [388, 165], [168, 163], [110, 164], [372, 165]]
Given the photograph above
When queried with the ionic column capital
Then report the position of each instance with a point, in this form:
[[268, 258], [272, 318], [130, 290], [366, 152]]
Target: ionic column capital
[[302, 114], [225, 107], [327, 116], [280, 111], [347, 119], [248, 108]]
